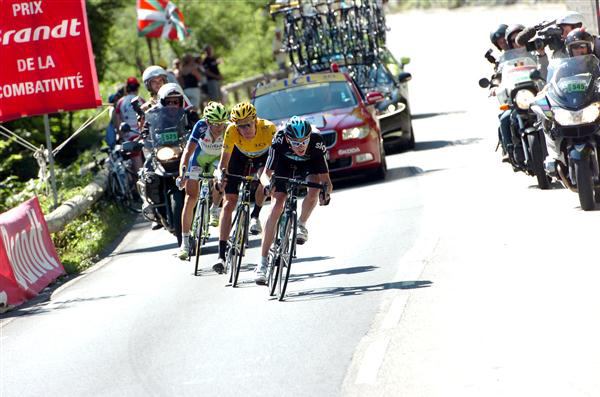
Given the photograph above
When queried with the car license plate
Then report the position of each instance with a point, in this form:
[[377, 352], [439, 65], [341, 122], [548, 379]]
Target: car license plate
[[168, 137], [317, 121]]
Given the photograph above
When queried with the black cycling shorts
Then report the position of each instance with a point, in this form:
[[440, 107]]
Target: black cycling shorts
[[237, 166], [285, 168]]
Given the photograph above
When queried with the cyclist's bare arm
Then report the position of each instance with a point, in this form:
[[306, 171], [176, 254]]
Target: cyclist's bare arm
[[190, 148], [265, 177]]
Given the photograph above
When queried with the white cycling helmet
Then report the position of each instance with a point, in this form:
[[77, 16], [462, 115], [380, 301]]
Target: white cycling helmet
[[170, 90], [150, 72], [571, 18]]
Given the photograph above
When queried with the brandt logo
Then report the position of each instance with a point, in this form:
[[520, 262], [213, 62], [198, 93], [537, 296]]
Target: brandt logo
[[27, 253]]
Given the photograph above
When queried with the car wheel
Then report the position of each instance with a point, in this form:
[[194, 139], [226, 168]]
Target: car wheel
[[380, 172], [407, 126]]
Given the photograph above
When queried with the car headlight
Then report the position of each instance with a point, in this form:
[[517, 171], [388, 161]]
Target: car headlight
[[355, 133], [167, 153], [524, 98], [584, 116]]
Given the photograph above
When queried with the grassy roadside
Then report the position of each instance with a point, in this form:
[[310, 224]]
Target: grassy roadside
[[80, 244]]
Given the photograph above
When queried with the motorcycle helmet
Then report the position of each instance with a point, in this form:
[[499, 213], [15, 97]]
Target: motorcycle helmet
[[512, 30], [242, 111], [297, 128], [170, 90], [497, 34], [150, 73], [215, 113], [571, 18], [579, 38]]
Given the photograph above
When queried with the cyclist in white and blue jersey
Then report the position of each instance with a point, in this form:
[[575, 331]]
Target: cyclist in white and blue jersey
[[202, 153]]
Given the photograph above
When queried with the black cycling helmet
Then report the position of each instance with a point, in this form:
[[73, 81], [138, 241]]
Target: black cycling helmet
[[511, 30], [578, 38], [497, 34]]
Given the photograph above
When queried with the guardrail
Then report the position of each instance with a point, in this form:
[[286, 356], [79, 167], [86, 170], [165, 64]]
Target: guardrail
[[247, 86]]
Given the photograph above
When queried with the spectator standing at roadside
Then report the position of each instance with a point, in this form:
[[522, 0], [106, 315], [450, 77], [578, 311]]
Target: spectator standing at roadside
[[174, 72], [189, 77], [278, 54], [213, 76]]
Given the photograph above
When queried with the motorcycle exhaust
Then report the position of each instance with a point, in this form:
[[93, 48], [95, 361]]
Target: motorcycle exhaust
[[564, 179]]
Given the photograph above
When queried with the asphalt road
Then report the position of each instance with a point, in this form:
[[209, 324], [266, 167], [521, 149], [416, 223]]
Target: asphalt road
[[455, 276]]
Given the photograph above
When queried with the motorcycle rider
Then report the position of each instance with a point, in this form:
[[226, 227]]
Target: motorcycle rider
[[169, 96], [578, 42], [497, 37], [203, 150]]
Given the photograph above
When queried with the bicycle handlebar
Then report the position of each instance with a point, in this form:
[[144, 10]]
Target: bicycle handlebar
[[300, 182]]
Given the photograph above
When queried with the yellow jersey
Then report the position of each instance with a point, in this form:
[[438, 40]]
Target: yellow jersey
[[255, 147]]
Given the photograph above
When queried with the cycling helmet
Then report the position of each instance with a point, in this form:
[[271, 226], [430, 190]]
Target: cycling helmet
[[170, 90], [150, 72], [511, 30], [578, 37], [571, 18], [497, 34], [242, 111], [297, 128], [215, 113]]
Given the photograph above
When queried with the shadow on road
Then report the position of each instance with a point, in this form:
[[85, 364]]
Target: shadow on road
[[33, 308], [392, 175], [148, 249], [311, 259], [432, 145], [334, 292], [333, 272], [435, 114]]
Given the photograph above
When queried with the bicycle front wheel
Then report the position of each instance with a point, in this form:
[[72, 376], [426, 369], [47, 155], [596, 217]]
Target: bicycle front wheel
[[199, 232], [288, 245], [273, 270], [238, 246]]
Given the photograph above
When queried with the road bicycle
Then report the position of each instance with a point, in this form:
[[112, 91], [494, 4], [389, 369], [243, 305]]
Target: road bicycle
[[200, 232], [238, 241], [121, 178], [283, 249]]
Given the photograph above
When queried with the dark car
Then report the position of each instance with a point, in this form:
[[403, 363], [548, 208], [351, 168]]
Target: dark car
[[335, 106], [388, 77]]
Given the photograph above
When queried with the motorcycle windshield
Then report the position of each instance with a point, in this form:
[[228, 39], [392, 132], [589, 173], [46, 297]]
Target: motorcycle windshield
[[516, 66], [572, 81], [167, 125]]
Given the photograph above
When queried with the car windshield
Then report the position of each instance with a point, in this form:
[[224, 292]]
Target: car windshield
[[306, 99]]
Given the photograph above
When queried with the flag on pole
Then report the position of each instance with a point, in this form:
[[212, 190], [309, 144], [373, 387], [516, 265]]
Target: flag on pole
[[160, 18]]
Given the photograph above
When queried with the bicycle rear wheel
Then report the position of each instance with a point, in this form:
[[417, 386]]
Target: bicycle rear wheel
[[288, 243], [238, 246], [200, 221]]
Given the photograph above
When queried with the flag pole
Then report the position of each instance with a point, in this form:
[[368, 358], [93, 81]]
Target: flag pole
[[51, 160], [150, 50]]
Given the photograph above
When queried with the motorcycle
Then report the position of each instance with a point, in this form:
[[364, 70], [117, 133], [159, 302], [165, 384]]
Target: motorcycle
[[164, 144], [515, 91], [569, 109]]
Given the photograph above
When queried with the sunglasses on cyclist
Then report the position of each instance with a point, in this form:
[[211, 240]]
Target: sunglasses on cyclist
[[172, 102], [294, 143], [244, 126]]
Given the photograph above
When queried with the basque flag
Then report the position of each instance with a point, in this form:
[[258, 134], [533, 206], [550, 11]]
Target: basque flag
[[160, 18]]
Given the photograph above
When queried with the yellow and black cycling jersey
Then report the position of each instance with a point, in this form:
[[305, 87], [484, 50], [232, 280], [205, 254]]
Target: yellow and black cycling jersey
[[255, 147]]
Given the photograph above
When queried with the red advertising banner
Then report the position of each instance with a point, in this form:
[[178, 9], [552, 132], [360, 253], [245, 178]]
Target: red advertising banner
[[28, 259], [47, 63]]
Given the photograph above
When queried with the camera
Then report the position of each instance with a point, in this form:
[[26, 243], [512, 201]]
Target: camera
[[550, 36], [136, 103]]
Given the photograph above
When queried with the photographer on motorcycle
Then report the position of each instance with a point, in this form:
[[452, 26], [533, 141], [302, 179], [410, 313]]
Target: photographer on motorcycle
[[578, 42]]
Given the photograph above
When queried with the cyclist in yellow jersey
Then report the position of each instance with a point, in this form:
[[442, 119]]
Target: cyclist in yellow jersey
[[247, 138]]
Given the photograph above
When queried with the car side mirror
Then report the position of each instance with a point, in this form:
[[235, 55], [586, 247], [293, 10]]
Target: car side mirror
[[374, 97], [484, 83], [404, 77], [404, 61], [535, 75]]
